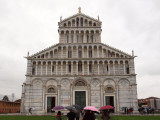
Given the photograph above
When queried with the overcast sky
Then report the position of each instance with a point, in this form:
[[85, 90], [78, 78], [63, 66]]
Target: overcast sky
[[31, 25]]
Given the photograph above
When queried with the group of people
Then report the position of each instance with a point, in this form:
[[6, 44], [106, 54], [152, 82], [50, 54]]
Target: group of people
[[146, 110], [128, 110], [88, 115]]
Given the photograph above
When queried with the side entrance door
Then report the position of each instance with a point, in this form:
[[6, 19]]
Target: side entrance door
[[50, 103], [109, 101]]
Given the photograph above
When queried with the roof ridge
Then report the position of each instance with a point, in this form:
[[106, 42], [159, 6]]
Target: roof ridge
[[116, 49], [80, 14], [44, 49]]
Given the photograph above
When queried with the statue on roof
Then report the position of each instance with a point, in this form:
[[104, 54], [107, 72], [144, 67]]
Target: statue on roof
[[133, 53], [79, 10], [28, 54], [61, 18]]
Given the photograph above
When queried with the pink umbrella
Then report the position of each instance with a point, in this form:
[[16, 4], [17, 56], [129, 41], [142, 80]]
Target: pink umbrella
[[91, 108]]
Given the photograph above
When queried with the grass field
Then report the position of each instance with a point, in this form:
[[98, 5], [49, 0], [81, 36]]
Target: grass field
[[65, 118]]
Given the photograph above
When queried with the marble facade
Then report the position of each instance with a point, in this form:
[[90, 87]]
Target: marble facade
[[79, 63]]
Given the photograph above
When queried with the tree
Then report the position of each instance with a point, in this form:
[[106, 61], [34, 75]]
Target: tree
[[5, 98]]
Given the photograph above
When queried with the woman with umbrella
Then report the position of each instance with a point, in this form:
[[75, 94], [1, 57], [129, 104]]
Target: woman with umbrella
[[89, 115], [58, 116], [72, 114], [105, 112], [105, 115]]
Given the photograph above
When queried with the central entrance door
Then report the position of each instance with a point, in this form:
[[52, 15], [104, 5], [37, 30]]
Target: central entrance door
[[110, 101], [80, 98], [50, 103]]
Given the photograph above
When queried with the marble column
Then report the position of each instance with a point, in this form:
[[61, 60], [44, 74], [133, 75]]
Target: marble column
[[102, 52], [92, 51], [74, 39], [41, 67], [36, 68], [88, 67], [124, 68], [89, 95], [72, 51], [77, 67], [66, 51], [82, 67], [46, 67], [51, 67], [84, 37], [93, 67], [66, 67], [97, 51], [61, 68], [117, 96], [82, 51], [98, 67], [59, 87], [71, 67], [61, 51], [43, 99], [77, 51], [56, 67]]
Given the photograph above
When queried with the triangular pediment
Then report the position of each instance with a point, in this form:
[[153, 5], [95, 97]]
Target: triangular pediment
[[57, 47], [80, 15]]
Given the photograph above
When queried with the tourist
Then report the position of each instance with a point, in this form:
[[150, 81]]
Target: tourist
[[77, 115], [88, 116], [58, 116], [105, 115], [71, 115], [30, 110]]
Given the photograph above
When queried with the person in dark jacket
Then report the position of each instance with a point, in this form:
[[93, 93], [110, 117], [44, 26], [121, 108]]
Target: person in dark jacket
[[88, 115], [71, 115], [105, 115], [77, 115]]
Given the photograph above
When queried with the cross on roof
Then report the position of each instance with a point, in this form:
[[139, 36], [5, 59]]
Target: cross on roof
[[79, 9]]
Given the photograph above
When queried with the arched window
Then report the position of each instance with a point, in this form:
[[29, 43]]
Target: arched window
[[51, 90], [92, 38], [109, 89], [77, 22], [79, 66], [87, 39], [67, 39], [90, 53], [80, 83]]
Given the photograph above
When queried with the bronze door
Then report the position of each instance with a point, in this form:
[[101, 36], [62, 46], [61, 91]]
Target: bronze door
[[80, 98]]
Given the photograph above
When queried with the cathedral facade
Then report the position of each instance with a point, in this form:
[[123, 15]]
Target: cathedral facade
[[79, 70]]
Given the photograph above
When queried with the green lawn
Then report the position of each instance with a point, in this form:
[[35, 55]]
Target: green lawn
[[64, 118]]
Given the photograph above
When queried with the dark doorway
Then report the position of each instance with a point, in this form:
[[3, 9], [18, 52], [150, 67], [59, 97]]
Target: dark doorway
[[50, 103], [110, 101], [80, 98]]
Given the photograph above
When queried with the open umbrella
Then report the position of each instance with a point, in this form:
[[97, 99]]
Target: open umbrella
[[106, 107], [58, 108], [91, 108], [77, 107], [71, 108]]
